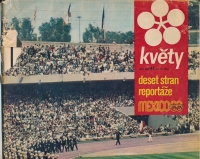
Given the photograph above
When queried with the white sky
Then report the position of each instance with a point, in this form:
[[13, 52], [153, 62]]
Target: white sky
[[118, 13]]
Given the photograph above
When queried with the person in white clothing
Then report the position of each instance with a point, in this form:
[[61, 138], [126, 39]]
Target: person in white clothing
[[150, 134]]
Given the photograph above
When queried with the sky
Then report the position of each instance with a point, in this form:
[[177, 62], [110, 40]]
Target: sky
[[118, 13]]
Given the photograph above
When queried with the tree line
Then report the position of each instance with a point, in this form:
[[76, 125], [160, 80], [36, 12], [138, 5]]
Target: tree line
[[57, 31]]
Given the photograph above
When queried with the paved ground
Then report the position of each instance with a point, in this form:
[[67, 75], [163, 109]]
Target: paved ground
[[133, 146]]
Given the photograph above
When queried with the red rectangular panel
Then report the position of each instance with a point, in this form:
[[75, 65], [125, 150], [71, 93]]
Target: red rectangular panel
[[161, 57]]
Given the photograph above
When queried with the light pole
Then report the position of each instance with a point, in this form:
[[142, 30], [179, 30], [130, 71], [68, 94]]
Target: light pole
[[79, 17]]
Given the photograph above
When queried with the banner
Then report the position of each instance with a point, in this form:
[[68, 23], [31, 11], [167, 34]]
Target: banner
[[161, 57]]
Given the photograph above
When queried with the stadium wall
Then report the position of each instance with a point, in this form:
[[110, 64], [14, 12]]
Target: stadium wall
[[156, 120], [126, 110], [68, 78], [75, 78]]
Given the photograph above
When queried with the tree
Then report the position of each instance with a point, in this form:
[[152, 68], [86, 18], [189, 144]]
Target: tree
[[87, 36], [55, 30], [24, 29], [16, 24], [95, 34], [119, 37], [193, 14]]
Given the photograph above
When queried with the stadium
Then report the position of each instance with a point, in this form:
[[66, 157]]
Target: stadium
[[68, 100], [44, 105]]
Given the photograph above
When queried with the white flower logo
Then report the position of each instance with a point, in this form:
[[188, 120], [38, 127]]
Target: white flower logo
[[171, 35]]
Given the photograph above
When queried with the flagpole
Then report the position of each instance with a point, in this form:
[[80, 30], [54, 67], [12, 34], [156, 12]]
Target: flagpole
[[35, 20], [104, 35], [69, 11], [79, 17], [104, 26]]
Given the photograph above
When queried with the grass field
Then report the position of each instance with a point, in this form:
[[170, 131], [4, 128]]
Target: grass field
[[178, 155]]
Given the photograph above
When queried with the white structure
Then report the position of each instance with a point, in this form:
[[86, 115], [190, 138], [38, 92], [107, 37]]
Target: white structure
[[11, 49]]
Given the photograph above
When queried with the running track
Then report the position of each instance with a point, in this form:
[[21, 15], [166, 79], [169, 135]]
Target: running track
[[104, 147]]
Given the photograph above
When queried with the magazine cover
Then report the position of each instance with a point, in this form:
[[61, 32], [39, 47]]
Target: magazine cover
[[100, 79]]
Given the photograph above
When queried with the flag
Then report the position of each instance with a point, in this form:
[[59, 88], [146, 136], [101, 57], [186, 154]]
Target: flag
[[142, 125], [103, 17], [69, 10], [67, 16], [66, 20]]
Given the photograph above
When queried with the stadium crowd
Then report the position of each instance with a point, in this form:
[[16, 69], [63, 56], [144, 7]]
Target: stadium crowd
[[189, 123], [70, 59], [185, 123], [74, 59], [42, 127], [193, 61]]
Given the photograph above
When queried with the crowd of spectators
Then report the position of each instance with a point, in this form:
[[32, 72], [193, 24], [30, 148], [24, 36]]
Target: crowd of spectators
[[29, 121], [185, 123], [34, 119], [193, 61], [189, 123], [75, 59], [165, 128], [71, 59]]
